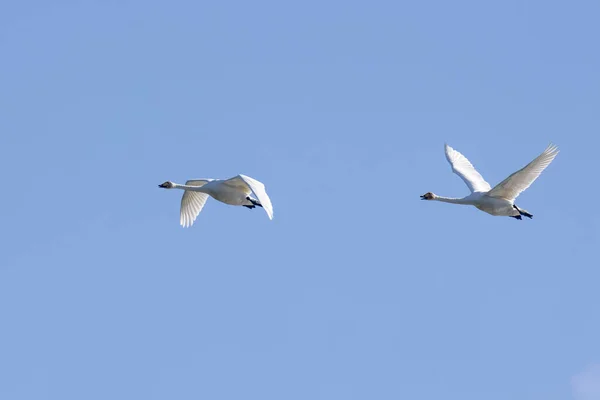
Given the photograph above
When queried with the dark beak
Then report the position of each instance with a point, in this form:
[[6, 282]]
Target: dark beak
[[423, 197], [162, 185]]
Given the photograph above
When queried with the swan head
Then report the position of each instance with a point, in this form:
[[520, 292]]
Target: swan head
[[428, 196], [167, 185]]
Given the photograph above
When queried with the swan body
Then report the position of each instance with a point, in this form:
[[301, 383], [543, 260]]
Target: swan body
[[235, 191], [500, 200]]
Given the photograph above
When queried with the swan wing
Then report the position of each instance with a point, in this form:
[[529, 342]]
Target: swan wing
[[462, 167], [192, 203], [512, 186], [237, 183], [243, 182]]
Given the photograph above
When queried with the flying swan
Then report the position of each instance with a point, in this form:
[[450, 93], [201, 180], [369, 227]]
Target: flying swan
[[500, 200], [234, 191]]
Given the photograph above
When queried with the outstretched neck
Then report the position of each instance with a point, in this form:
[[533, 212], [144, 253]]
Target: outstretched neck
[[452, 200], [188, 187]]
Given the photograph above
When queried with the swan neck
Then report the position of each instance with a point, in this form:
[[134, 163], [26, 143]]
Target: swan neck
[[188, 187], [452, 200]]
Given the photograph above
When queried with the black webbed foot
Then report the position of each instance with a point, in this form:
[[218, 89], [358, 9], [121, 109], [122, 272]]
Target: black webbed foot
[[523, 212], [249, 207], [254, 202], [516, 217]]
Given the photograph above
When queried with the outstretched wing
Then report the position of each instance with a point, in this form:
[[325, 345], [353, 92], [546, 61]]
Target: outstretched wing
[[192, 203], [512, 186], [247, 183], [463, 168]]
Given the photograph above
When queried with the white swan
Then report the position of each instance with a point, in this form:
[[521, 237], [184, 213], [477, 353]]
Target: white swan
[[501, 199], [234, 191]]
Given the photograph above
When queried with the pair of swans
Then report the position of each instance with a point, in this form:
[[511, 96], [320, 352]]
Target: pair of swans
[[498, 201]]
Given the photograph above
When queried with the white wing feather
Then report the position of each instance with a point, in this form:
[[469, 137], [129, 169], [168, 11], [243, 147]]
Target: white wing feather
[[261, 194], [192, 203], [463, 168], [512, 186]]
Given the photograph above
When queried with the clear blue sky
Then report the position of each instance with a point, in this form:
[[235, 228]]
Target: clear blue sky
[[356, 289]]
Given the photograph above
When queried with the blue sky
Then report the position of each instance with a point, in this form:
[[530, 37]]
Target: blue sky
[[356, 289]]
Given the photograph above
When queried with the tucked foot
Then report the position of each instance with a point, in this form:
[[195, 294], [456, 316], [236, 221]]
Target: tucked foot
[[250, 207], [516, 217], [523, 212], [254, 202]]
